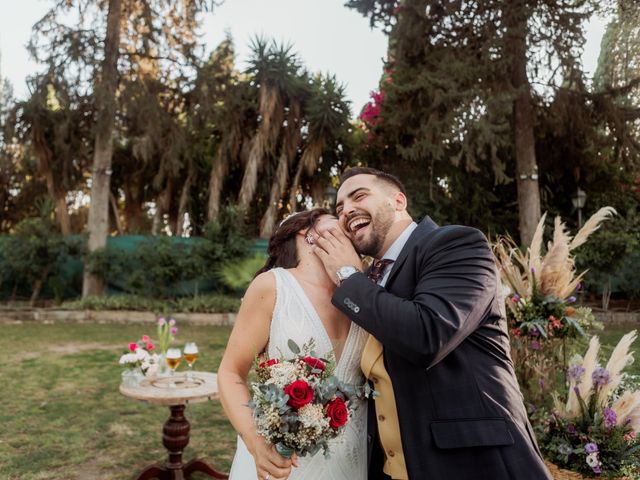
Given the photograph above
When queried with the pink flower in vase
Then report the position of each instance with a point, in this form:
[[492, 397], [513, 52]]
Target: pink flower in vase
[[174, 330], [133, 347], [145, 338]]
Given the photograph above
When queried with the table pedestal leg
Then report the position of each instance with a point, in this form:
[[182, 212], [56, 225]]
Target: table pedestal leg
[[175, 438]]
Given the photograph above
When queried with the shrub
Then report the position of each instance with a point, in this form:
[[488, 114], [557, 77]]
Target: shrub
[[34, 255], [197, 304]]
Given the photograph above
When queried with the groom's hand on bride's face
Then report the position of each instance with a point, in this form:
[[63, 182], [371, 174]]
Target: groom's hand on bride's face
[[335, 250]]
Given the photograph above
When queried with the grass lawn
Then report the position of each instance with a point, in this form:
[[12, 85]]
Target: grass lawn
[[63, 418]]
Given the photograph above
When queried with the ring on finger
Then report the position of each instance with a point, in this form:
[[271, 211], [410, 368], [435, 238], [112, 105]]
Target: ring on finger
[[267, 477]]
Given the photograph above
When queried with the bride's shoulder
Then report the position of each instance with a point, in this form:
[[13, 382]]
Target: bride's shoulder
[[263, 287]]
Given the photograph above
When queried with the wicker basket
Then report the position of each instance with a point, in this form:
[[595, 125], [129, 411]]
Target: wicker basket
[[561, 474]]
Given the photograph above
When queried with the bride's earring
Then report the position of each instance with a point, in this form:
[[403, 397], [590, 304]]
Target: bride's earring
[[309, 238]]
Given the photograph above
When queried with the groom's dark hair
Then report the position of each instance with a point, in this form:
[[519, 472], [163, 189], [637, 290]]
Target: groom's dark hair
[[379, 174]]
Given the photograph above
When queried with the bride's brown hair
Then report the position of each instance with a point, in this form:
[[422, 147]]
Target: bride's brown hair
[[282, 249]]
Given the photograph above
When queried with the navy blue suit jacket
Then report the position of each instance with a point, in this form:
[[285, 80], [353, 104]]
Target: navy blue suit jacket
[[446, 349]]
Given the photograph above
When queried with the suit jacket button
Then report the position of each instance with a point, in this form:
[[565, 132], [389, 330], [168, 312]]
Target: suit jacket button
[[356, 309], [391, 453], [382, 418]]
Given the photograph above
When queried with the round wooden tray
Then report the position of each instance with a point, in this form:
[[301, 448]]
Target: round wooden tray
[[175, 390]]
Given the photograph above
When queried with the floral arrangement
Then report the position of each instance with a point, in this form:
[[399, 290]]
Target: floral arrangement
[[543, 288], [298, 404], [595, 431], [141, 356], [166, 333], [540, 293]]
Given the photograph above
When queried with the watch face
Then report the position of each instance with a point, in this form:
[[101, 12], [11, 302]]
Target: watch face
[[344, 272]]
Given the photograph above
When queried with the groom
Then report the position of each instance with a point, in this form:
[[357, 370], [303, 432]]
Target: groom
[[449, 405]]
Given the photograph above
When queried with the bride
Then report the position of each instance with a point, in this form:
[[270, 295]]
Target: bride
[[290, 298]]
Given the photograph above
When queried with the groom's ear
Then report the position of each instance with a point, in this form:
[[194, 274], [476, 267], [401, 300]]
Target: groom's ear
[[400, 200]]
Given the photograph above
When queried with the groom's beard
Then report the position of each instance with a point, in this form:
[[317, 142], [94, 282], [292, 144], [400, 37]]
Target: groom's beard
[[371, 243]]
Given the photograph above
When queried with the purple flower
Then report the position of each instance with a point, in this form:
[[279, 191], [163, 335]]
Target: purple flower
[[535, 345], [535, 332], [575, 372], [161, 321], [541, 382], [600, 377], [571, 299], [571, 428], [578, 286], [610, 418], [597, 469], [174, 330], [591, 448]]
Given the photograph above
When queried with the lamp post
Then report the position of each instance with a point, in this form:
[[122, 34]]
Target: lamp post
[[578, 203], [329, 198]]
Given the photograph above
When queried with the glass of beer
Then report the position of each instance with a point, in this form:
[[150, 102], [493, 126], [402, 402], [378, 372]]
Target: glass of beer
[[173, 359], [190, 356]]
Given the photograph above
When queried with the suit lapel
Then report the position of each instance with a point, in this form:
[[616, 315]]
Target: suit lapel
[[424, 227]]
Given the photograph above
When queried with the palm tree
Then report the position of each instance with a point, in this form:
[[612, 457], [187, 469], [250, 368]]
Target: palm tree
[[328, 116], [276, 70]]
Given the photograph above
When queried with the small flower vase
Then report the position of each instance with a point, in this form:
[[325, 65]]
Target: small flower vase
[[131, 378], [163, 368]]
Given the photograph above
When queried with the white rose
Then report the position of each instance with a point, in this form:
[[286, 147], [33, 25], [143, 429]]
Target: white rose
[[592, 460]]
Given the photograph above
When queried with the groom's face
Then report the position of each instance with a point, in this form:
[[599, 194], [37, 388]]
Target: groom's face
[[365, 209]]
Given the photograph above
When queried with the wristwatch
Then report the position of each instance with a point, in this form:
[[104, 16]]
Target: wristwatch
[[345, 272]]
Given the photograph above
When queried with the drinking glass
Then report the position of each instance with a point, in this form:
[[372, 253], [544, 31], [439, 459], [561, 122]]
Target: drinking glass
[[173, 359], [191, 356]]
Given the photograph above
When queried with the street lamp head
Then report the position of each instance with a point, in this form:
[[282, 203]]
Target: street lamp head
[[329, 198], [579, 199]]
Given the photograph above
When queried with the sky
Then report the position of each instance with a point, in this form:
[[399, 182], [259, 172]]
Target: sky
[[328, 37]]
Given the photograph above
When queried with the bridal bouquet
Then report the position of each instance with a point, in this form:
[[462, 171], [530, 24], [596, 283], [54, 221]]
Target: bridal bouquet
[[595, 430], [298, 404]]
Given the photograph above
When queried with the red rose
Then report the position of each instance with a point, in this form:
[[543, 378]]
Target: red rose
[[150, 346], [314, 363], [268, 363], [133, 347], [337, 413], [300, 394]]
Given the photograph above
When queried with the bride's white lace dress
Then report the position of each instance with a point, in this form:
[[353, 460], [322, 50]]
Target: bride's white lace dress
[[294, 317]]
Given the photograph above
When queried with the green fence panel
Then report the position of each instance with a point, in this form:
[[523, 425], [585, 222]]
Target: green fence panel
[[69, 276]]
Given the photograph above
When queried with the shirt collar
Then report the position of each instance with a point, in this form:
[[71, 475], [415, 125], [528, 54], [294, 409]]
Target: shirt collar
[[396, 247]]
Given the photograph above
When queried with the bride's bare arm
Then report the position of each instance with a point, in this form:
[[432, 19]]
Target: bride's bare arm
[[248, 338]]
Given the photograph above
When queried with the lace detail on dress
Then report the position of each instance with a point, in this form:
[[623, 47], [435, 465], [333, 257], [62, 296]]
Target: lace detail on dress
[[295, 318]]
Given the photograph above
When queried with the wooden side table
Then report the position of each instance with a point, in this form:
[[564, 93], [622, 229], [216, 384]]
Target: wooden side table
[[176, 392]]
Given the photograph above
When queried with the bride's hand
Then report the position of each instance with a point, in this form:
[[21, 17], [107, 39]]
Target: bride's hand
[[269, 462]]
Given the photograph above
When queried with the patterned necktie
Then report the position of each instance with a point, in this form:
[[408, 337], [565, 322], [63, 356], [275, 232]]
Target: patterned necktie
[[377, 269]]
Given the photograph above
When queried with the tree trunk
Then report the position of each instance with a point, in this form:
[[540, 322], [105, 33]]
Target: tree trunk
[[216, 180], [263, 143], [279, 185], [116, 212], [58, 196], [98, 223], [270, 217], [162, 207], [523, 118], [133, 200], [307, 164], [184, 199]]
